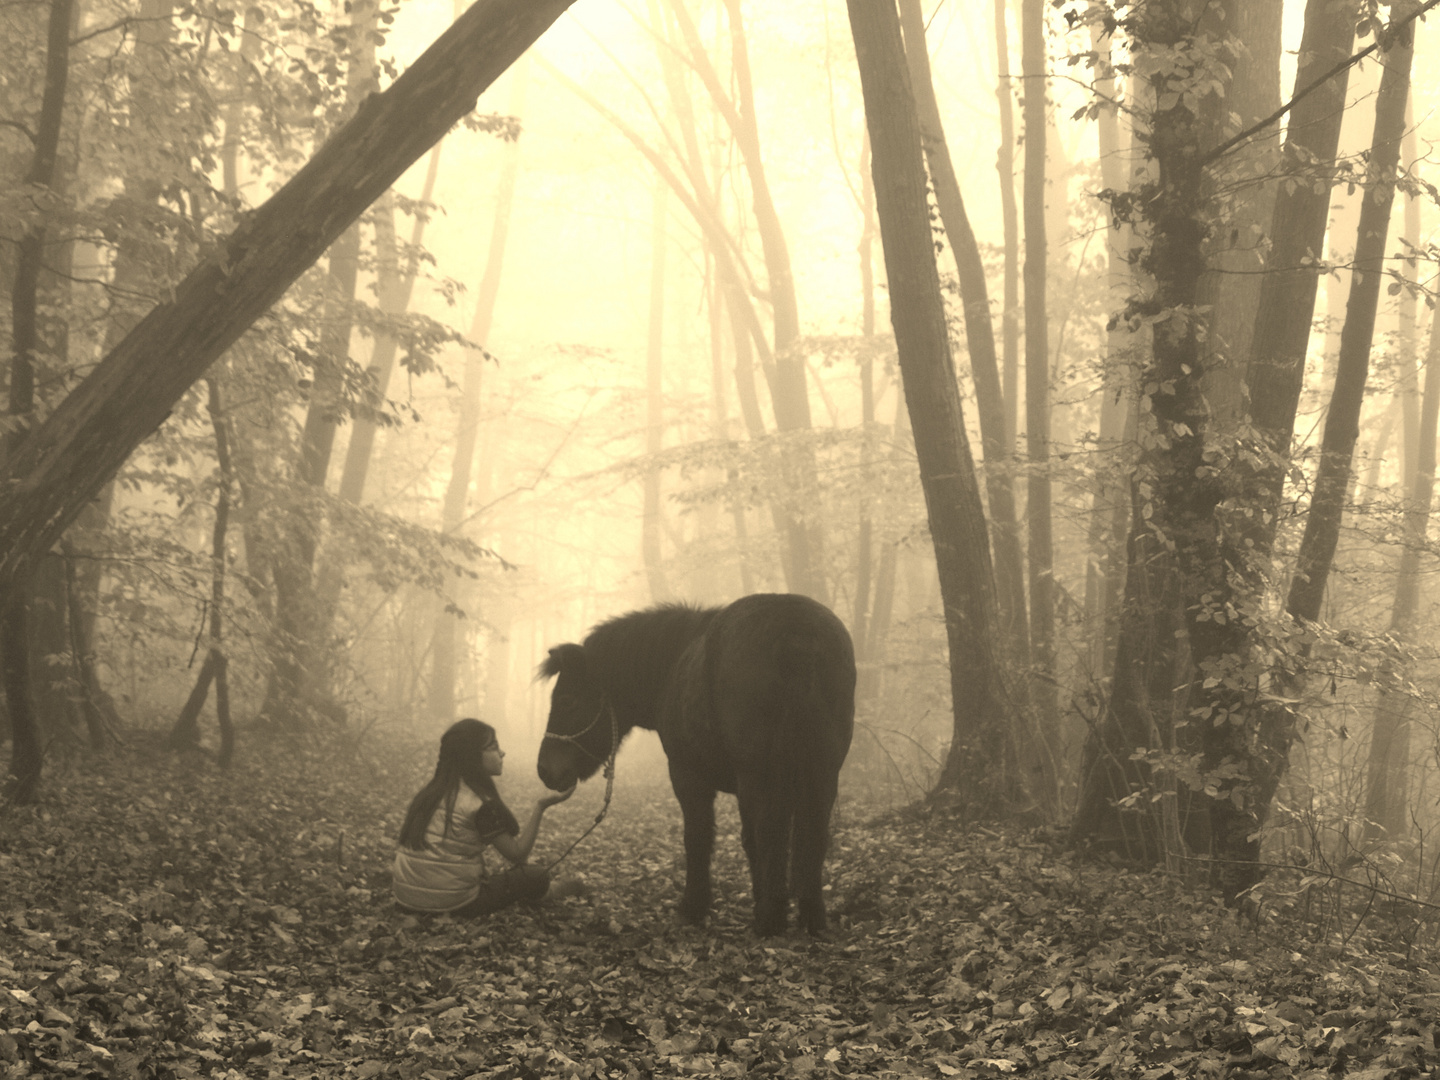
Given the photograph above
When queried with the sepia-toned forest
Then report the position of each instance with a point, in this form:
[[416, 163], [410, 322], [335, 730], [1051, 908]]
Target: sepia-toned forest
[[1081, 356]]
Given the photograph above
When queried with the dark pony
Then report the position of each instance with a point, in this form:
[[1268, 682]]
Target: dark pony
[[460, 762], [756, 699]]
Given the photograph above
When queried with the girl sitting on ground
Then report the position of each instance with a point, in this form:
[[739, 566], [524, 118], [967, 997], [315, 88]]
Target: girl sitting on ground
[[440, 863]]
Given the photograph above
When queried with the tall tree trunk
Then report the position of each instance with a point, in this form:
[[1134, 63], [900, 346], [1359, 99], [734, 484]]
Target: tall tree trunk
[[864, 543], [1037, 377], [1177, 589], [444, 642], [1010, 224], [1407, 331], [1284, 312], [650, 526], [877, 631], [980, 336], [26, 754], [1286, 306], [1109, 510], [66, 460], [1342, 422], [980, 767], [1387, 790]]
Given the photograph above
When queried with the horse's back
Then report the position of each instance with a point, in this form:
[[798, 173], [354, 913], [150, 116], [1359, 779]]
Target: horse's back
[[782, 675]]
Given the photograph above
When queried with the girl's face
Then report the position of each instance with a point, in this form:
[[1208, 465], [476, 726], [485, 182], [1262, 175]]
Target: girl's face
[[494, 759]]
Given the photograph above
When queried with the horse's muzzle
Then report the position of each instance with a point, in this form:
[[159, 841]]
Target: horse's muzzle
[[555, 775]]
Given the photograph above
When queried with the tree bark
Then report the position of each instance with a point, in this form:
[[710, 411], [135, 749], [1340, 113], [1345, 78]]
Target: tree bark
[[980, 766], [26, 754], [1342, 422], [864, 543], [1010, 224], [1110, 505], [1286, 306], [1040, 546], [1177, 589], [980, 337], [64, 462], [1284, 311]]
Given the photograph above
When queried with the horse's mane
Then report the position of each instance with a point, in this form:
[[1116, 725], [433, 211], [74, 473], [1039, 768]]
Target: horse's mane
[[634, 653]]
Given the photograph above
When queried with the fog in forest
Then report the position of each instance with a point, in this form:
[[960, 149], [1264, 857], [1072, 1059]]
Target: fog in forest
[[605, 390]]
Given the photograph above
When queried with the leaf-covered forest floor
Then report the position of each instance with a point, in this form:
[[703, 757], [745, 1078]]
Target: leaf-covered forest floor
[[160, 919]]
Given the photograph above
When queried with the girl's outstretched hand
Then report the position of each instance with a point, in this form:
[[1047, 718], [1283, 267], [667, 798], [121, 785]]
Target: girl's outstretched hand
[[555, 797]]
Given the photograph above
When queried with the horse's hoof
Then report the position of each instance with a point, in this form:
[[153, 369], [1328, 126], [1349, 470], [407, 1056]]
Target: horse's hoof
[[771, 924], [692, 915]]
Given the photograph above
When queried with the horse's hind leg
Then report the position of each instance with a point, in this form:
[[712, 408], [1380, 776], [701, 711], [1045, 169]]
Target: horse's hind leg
[[765, 831], [697, 804], [812, 838]]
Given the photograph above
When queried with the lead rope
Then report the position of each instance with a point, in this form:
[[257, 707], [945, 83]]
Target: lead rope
[[609, 791]]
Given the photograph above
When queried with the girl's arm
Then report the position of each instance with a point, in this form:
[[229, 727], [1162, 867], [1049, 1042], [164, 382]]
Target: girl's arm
[[517, 848]]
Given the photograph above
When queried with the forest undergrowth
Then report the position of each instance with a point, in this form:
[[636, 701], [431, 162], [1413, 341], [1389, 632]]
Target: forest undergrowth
[[161, 919]]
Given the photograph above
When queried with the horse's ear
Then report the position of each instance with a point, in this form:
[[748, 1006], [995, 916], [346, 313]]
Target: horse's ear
[[568, 657]]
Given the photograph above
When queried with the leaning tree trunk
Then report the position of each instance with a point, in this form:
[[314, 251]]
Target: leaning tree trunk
[[980, 767], [26, 753], [67, 459]]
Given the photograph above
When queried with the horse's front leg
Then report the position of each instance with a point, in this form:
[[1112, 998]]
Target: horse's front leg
[[697, 803]]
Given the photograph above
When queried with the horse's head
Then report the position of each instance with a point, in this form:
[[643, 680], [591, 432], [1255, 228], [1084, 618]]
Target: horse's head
[[581, 733]]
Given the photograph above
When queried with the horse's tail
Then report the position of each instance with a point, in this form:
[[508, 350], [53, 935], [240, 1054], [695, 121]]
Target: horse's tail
[[817, 715]]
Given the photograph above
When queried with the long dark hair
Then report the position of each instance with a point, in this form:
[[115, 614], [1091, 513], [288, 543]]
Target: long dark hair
[[462, 749]]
